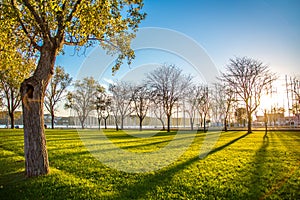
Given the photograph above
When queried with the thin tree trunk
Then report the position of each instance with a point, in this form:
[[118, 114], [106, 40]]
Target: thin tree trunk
[[52, 118], [99, 123], [82, 124], [141, 123], [168, 122], [204, 124], [32, 93], [122, 122], [249, 123], [192, 124], [12, 119], [117, 127], [225, 124], [105, 126], [11, 111]]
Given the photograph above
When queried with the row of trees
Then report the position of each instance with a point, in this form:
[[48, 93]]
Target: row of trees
[[164, 89], [167, 89]]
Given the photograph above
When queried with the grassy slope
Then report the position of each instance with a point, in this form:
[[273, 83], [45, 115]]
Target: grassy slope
[[239, 167]]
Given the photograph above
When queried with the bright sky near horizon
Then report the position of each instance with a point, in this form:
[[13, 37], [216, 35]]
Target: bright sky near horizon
[[267, 30]]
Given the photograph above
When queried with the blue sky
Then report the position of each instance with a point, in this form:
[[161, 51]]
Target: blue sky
[[268, 30]]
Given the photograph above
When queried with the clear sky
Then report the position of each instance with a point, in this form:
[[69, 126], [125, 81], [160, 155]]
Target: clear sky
[[268, 30]]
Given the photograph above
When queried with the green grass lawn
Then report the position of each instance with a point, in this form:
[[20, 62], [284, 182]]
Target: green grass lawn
[[240, 166]]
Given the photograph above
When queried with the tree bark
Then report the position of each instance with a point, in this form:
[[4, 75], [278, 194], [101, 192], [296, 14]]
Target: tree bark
[[32, 93]]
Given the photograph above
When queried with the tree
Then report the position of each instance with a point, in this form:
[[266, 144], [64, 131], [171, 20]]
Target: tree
[[82, 99], [204, 105], [44, 27], [223, 98], [122, 99], [169, 85], [15, 66], [54, 93], [12, 74], [141, 102], [157, 107], [248, 78], [103, 104], [192, 99], [295, 96]]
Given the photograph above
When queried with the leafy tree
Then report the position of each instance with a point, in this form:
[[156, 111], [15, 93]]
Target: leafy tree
[[169, 85], [248, 78], [12, 74], [15, 66], [54, 93], [141, 102], [44, 27], [82, 99]]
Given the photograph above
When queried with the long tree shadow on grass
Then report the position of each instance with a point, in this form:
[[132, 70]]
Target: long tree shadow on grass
[[215, 150], [150, 182], [259, 169]]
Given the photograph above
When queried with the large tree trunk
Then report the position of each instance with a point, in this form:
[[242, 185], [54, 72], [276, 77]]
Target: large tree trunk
[[33, 92]]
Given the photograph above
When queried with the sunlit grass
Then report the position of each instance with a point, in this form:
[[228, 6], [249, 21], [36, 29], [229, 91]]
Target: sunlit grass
[[239, 167]]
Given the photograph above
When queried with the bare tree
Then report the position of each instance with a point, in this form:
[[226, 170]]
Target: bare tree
[[55, 90], [248, 78], [192, 99], [204, 105], [170, 84], [294, 87], [223, 98], [158, 109], [122, 98], [141, 102], [82, 99]]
